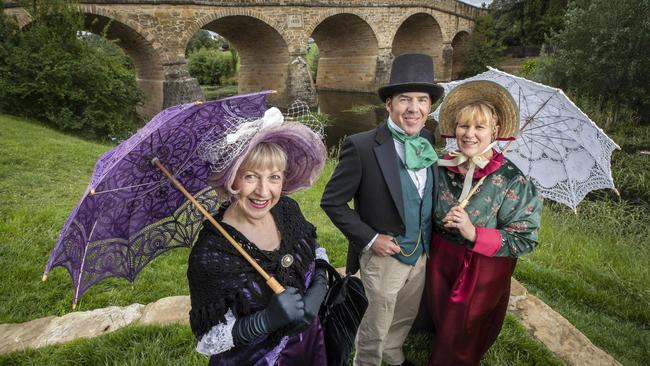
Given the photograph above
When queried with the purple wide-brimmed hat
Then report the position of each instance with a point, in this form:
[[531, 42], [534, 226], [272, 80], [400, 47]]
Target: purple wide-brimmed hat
[[303, 146]]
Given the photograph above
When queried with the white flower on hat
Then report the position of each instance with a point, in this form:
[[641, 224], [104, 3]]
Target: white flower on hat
[[272, 117]]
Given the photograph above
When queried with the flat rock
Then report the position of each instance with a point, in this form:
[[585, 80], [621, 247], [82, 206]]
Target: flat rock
[[168, 310], [53, 330], [552, 329]]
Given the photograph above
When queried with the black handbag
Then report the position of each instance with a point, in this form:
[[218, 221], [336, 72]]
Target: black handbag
[[340, 314]]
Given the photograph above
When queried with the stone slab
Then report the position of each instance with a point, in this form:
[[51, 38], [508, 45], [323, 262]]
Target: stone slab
[[552, 329], [166, 311], [53, 330]]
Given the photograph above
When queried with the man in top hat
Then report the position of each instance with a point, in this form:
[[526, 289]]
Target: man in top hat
[[388, 172]]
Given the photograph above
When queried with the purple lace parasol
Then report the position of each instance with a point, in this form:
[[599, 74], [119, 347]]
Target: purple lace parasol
[[130, 213]]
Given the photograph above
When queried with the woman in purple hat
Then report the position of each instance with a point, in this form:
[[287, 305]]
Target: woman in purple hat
[[236, 318]]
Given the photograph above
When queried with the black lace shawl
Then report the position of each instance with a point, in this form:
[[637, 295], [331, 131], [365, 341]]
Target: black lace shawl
[[221, 279]]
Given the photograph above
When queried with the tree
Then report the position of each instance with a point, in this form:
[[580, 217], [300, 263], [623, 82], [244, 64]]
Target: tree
[[203, 39], [602, 53], [47, 72], [109, 47], [211, 67], [483, 48], [313, 55], [526, 23], [8, 34]]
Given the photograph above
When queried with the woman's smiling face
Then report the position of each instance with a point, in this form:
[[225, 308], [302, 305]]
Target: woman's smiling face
[[476, 128], [473, 137], [259, 190]]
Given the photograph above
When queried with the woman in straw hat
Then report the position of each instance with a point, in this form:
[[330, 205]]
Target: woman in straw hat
[[474, 249], [237, 319]]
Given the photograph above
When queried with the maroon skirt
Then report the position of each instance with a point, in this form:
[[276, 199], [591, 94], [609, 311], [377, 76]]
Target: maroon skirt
[[467, 295]]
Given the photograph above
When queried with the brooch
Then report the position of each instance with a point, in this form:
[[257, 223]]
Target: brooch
[[286, 261]]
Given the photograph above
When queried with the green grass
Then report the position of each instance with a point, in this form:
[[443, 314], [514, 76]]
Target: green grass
[[513, 347], [43, 174], [593, 268], [133, 345], [174, 345], [212, 92]]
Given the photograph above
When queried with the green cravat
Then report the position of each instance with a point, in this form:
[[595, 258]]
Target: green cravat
[[418, 152]]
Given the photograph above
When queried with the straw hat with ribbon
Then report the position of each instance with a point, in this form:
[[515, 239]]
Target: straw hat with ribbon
[[507, 119], [480, 90]]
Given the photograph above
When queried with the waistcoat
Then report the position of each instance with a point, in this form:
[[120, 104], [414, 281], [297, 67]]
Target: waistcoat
[[417, 214]]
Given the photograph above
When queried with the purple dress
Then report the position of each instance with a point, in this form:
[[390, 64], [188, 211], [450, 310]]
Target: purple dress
[[221, 280]]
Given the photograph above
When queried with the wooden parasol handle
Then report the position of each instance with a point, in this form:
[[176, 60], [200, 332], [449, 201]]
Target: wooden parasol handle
[[270, 280], [464, 202]]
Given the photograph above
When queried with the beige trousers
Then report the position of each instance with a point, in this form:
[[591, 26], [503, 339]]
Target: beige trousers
[[394, 290]]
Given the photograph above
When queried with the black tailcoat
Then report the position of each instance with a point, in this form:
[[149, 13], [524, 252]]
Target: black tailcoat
[[367, 173]]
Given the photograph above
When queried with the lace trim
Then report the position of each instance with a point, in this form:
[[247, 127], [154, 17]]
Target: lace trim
[[321, 253], [219, 338]]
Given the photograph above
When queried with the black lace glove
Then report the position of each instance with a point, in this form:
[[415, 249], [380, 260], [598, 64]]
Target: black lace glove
[[283, 309], [313, 298]]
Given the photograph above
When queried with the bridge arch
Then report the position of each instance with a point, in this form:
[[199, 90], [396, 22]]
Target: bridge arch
[[147, 61], [263, 51], [348, 48], [459, 44], [420, 32]]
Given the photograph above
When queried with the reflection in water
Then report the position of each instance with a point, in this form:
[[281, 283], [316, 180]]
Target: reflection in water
[[343, 121]]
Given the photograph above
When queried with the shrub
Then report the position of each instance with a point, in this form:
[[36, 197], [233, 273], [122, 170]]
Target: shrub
[[313, 55], [483, 48], [211, 67], [47, 72], [602, 53], [528, 68]]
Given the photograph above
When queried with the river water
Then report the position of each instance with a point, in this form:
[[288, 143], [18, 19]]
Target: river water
[[350, 113]]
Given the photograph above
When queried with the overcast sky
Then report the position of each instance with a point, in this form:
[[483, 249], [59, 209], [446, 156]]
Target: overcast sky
[[476, 2]]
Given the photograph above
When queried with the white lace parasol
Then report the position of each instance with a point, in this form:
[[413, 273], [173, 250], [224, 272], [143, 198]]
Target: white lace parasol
[[565, 153]]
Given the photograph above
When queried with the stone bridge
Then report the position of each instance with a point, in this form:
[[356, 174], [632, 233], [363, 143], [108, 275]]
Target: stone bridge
[[357, 40]]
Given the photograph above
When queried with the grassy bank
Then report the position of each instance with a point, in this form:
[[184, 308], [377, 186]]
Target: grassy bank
[[594, 266], [212, 92], [591, 267], [42, 176]]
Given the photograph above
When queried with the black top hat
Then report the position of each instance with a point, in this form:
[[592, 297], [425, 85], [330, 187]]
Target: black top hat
[[411, 72]]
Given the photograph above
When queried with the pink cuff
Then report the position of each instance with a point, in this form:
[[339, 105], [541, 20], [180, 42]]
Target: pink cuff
[[488, 241]]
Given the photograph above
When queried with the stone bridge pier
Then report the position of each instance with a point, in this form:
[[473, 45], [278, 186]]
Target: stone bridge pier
[[357, 41]]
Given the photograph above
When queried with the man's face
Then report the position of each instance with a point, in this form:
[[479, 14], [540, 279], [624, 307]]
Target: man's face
[[409, 110]]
